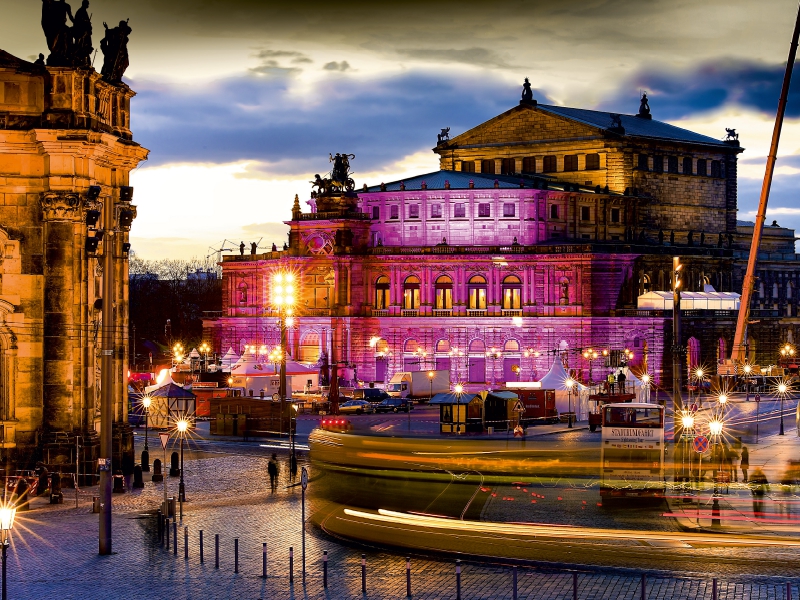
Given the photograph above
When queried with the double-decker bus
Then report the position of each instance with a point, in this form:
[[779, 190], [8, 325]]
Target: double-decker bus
[[632, 451]]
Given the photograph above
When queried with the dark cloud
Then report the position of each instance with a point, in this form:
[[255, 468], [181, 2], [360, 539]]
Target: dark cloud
[[265, 119], [471, 56], [676, 94], [337, 66]]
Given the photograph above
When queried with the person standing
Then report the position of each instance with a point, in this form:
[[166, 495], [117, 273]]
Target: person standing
[[611, 382], [272, 469], [621, 381], [745, 464]]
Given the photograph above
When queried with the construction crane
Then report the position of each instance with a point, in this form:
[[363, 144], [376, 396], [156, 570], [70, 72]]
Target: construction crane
[[218, 251], [739, 350]]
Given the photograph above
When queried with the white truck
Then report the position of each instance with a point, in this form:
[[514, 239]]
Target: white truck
[[418, 384]]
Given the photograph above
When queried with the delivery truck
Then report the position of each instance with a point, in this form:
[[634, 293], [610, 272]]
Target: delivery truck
[[419, 384], [539, 405]]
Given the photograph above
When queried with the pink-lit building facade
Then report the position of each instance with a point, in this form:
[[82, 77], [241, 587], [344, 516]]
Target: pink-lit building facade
[[535, 238]]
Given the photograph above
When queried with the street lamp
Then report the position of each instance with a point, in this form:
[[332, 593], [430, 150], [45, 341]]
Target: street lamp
[[646, 382], [782, 390], [723, 399], [7, 514], [590, 355], [431, 375], [747, 370], [458, 389], [569, 383], [284, 298], [146, 402], [182, 426]]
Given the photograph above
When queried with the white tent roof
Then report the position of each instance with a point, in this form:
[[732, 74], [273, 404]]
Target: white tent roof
[[194, 353], [690, 301], [230, 358], [556, 376], [249, 366]]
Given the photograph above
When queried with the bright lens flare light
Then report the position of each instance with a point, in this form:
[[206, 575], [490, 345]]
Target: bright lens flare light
[[147, 401], [715, 427], [569, 383], [458, 389], [723, 398], [7, 514], [182, 425], [782, 388], [687, 421]]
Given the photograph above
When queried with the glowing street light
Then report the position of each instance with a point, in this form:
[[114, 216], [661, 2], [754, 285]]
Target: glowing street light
[[569, 384], [283, 297], [723, 399], [783, 389], [7, 513], [182, 426], [715, 427], [747, 370], [146, 402], [688, 421], [459, 390]]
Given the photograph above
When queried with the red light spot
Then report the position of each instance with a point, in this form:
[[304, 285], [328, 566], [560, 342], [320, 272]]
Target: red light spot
[[599, 504], [494, 495], [584, 501], [525, 490], [533, 501], [518, 487], [559, 498]]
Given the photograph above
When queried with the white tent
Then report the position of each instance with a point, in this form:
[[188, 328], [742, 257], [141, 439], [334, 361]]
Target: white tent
[[689, 301], [579, 398], [230, 358], [641, 390]]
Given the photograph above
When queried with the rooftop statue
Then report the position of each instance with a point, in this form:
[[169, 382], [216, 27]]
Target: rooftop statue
[[732, 135], [527, 93], [339, 181], [57, 32], [82, 36], [644, 108], [115, 52], [444, 136]]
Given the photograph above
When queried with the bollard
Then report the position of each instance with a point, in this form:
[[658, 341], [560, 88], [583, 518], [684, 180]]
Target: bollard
[[235, 555], [175, 537], [216, 551], [714, 589], [644, 587], [574, 586], [160, 528], [264, 561], [186, 543], [408, 576], [364, 573], [514, 583], [788, 591], [458, 579], [166, 526], [201, 546], [291, 564], [325, 569]]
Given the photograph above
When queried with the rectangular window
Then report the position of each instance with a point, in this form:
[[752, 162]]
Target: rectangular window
[[687, 166], [553, 211], [467, 166], [508, 209], [413, 211], [459, 210], [436, 211], [394, 212], [615, 215], [549, 165], [571, 162], [484, 210], [672, 164], [716, 170], [658, 164], [592, 162], [529, 164], [585, 213], [376, 213], [701, 167], [643, 162], [487, 166]]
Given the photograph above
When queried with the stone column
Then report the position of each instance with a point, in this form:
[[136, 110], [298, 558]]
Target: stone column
[[62, 217]]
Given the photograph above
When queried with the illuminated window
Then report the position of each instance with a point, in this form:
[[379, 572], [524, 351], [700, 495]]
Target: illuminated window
[[476, 293], [571, 162], [436, 211], [444, 293], [459, 210], [382, 293], [484, 210], [512, 292], [411, 293], [592, 162], [549, 164]]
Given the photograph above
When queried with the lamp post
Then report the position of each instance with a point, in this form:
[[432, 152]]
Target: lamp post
[[782, 390], [431, 375], [687, 423], [590, 355], [182, 426], [146, 402], [569, 383], [7, 514], [646, 382], [533, 354], [747, 369], [284, 297], [205, 349], [458, 389], [677, 348], [715, 428], [494, 355]]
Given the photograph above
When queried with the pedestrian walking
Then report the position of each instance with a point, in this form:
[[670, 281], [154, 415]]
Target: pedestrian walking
[[272, 469], [732, 458], [745, 463], [759, 486]]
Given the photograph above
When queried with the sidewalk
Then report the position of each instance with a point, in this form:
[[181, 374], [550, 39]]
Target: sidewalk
[[739, 511]]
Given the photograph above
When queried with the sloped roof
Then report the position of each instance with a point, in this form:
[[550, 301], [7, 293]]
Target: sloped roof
[[556, 376], [452, 398], [171, 390], [459, 180], [9, 61]]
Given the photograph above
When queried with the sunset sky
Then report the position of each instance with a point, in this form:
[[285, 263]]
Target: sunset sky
[[240, 101]]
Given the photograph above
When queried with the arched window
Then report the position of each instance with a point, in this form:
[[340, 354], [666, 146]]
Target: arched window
[[443, 346], [512, 292], [411, 293], [242, 293], [645, 283], [549, 164], [592, 162], [309, 347], [789, 291], [476, 293], [382, 293], [688, 168], [410, 345], [487, 166], [571, 162], [467, 166], [529, 164], [444, 293], [477, 347], [775, 291], [511, 346], [761, 290], [508, 166]]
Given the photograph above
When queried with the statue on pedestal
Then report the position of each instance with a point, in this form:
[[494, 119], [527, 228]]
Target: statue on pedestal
[[644, 108], [527, 93], [82, 37], [57, 33], [115, 52]]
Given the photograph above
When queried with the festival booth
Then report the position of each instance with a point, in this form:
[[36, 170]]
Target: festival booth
[[169, 403], [262, 379], [689, 301], [459, 413], [228, 360], [555, 380]]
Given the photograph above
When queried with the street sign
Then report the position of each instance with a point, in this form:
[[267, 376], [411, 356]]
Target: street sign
[[304, 478], [164, 439], [700, 444], [276, 396], [758, 397], [519, 431], [518, 407]]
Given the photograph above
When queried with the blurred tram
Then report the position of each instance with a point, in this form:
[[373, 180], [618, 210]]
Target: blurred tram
[[632, 450]]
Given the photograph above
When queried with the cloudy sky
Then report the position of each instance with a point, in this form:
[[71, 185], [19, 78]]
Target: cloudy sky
[[240, 101]]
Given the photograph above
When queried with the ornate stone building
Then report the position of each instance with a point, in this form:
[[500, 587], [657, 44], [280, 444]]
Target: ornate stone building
[[536, 237], [65, 149]]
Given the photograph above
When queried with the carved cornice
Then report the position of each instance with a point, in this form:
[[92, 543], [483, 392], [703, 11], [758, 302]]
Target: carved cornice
[[62, 206]]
